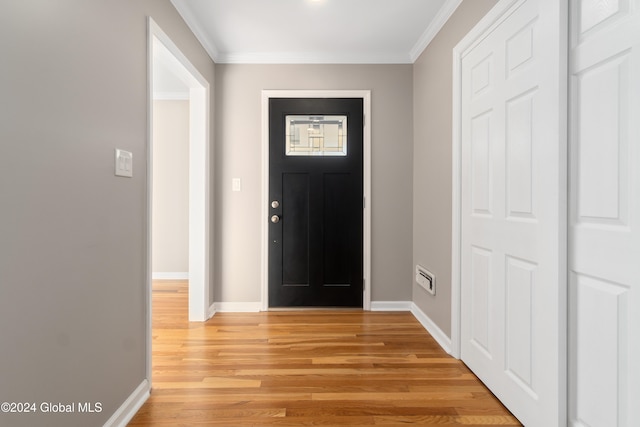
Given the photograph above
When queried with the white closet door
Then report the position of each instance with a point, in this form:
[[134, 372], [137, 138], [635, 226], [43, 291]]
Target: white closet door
[[513, 209], [604, 239]]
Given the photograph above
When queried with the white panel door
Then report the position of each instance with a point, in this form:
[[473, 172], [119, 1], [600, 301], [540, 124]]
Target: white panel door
[[604, 233], [513, 210]]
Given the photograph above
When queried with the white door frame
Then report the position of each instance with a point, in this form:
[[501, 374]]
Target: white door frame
[[365, 95], [199, 178]]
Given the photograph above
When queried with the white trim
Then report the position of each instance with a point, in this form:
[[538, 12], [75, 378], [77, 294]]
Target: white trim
[[431, 327], [130, 407], [391, 305], [159, 43], [170, 275], [191, 20], [456, 205], [170, 96], [436, 24], [308, 58], [199, 168], [237, 307], [472, 38], [199, 203], [366, 177], [149, 192]]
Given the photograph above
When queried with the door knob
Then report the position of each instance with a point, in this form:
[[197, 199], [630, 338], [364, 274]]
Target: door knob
[[275, 204], [275, 219]]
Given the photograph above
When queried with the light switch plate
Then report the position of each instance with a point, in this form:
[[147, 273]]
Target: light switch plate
[[236, 184], [124, 163]]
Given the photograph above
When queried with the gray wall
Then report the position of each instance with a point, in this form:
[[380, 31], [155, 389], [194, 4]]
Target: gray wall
[[73, 86], [238, 155], [170, 239], [72, 236], [432, 159]]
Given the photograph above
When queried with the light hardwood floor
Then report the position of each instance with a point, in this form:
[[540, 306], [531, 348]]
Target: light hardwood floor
[[329, 368]]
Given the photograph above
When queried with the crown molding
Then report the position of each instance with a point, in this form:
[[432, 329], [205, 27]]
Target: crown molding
[[191, 20], [441, 18], [443, 15], [306, 58]]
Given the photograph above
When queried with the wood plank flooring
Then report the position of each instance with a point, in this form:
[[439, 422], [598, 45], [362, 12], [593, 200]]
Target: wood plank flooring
[[308, 368]]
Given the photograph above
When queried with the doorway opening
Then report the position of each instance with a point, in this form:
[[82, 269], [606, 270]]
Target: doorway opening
[[365, 97], [166, 61], [315, 193]]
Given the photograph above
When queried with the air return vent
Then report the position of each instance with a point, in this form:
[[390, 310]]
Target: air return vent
[[426, 279]]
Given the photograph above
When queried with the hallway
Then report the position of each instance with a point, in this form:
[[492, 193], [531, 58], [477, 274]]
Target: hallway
[[305, 368]]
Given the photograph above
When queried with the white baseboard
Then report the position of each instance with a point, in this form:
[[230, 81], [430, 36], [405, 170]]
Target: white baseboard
[[432, 328], [130, 407], [162, 275], [237, 307], [211, 312], [391, 305]]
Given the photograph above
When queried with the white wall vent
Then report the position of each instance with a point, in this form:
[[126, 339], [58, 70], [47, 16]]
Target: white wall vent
[[426, 279]]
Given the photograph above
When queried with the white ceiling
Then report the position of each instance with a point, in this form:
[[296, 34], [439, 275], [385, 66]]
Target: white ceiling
[[315, 31]]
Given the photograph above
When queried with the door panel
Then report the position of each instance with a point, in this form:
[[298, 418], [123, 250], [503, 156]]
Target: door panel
[[337, 239], [604, 227], [316, 176], [295, 234], [512, 162]]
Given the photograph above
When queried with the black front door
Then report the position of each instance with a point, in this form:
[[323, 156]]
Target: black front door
[[316, 202]]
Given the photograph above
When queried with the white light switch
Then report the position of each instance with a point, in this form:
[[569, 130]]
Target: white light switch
[[124, 163], [236, 184]]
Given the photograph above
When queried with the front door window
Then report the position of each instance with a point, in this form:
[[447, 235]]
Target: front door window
[[316, 136]]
